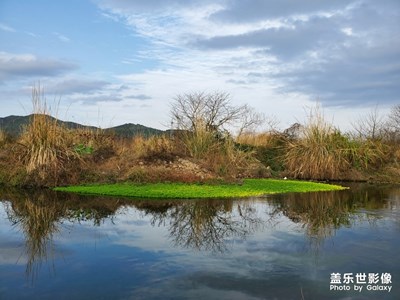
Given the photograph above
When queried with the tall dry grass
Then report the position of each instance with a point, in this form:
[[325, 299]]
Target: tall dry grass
[[200, 142], [94, 143], [227, 161], [3, 137], [46, 144], [323, 152], [147, 148], [366, 154], [257, 139], [158, 147], [214, 150], [267, 147], [319, 153]]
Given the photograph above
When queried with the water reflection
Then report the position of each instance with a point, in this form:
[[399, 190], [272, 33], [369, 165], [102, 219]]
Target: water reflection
[[38, 219], [38, 215], [321, 214], [204, 225]]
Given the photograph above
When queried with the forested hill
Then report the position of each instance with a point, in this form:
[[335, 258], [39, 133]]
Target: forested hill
[[14, 125], [130, 130]]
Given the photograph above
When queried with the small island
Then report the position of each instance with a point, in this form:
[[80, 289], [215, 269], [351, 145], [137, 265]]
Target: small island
[[247, 188]]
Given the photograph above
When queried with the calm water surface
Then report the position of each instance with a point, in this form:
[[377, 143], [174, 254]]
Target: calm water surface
[[59, 246]]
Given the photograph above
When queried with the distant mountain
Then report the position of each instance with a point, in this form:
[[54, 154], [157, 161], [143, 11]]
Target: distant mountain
[[14, 125], [129, 130]]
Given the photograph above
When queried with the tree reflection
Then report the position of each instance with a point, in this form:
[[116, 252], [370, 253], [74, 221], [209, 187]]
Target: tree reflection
[[207, 224]]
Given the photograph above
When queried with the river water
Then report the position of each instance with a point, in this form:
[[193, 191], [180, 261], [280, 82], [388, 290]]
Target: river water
[[331, 245]]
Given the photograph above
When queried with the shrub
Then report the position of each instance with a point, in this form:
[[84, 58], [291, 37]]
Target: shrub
[[226, 160], [366, 154], [268, 147]]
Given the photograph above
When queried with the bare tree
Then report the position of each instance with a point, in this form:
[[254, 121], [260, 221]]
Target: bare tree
[[393, 124], [370, 126], [394, 118], [251, 119], [210, 112]]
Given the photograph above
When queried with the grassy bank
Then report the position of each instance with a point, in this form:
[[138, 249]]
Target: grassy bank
[[249, 187], [48, 154]]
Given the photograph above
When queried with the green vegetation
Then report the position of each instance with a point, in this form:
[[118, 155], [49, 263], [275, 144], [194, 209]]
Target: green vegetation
[[82, 149], [249, 188]]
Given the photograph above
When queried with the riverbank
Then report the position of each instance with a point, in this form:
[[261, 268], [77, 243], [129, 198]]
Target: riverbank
[[246, 188], [103, 159], [48, 154]]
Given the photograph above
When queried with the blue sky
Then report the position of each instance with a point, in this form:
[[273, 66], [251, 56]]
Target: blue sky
[[111, 62]]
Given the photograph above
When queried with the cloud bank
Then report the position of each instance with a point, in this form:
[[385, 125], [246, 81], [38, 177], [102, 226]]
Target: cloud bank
[[341, 52], [28, 65], [276, 56]]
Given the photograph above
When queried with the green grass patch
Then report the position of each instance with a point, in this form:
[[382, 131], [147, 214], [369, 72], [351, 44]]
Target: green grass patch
[[249, 188]]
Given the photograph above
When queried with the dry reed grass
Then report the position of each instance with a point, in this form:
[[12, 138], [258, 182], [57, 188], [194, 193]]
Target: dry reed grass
[[215, 151], [225, 160], [323, 152], [268, 148], [199, 143], [258, 139], [319, 152], [151, 148], [3, 137], [367, 154], [46, 145], [158, 147]]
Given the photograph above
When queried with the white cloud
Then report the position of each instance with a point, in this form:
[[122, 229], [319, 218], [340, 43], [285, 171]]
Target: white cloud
[[62, 37], [253, 10], [29, 65], [6, 28]]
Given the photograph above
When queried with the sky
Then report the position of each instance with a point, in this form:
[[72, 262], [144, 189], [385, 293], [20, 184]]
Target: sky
[[110, 62]]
